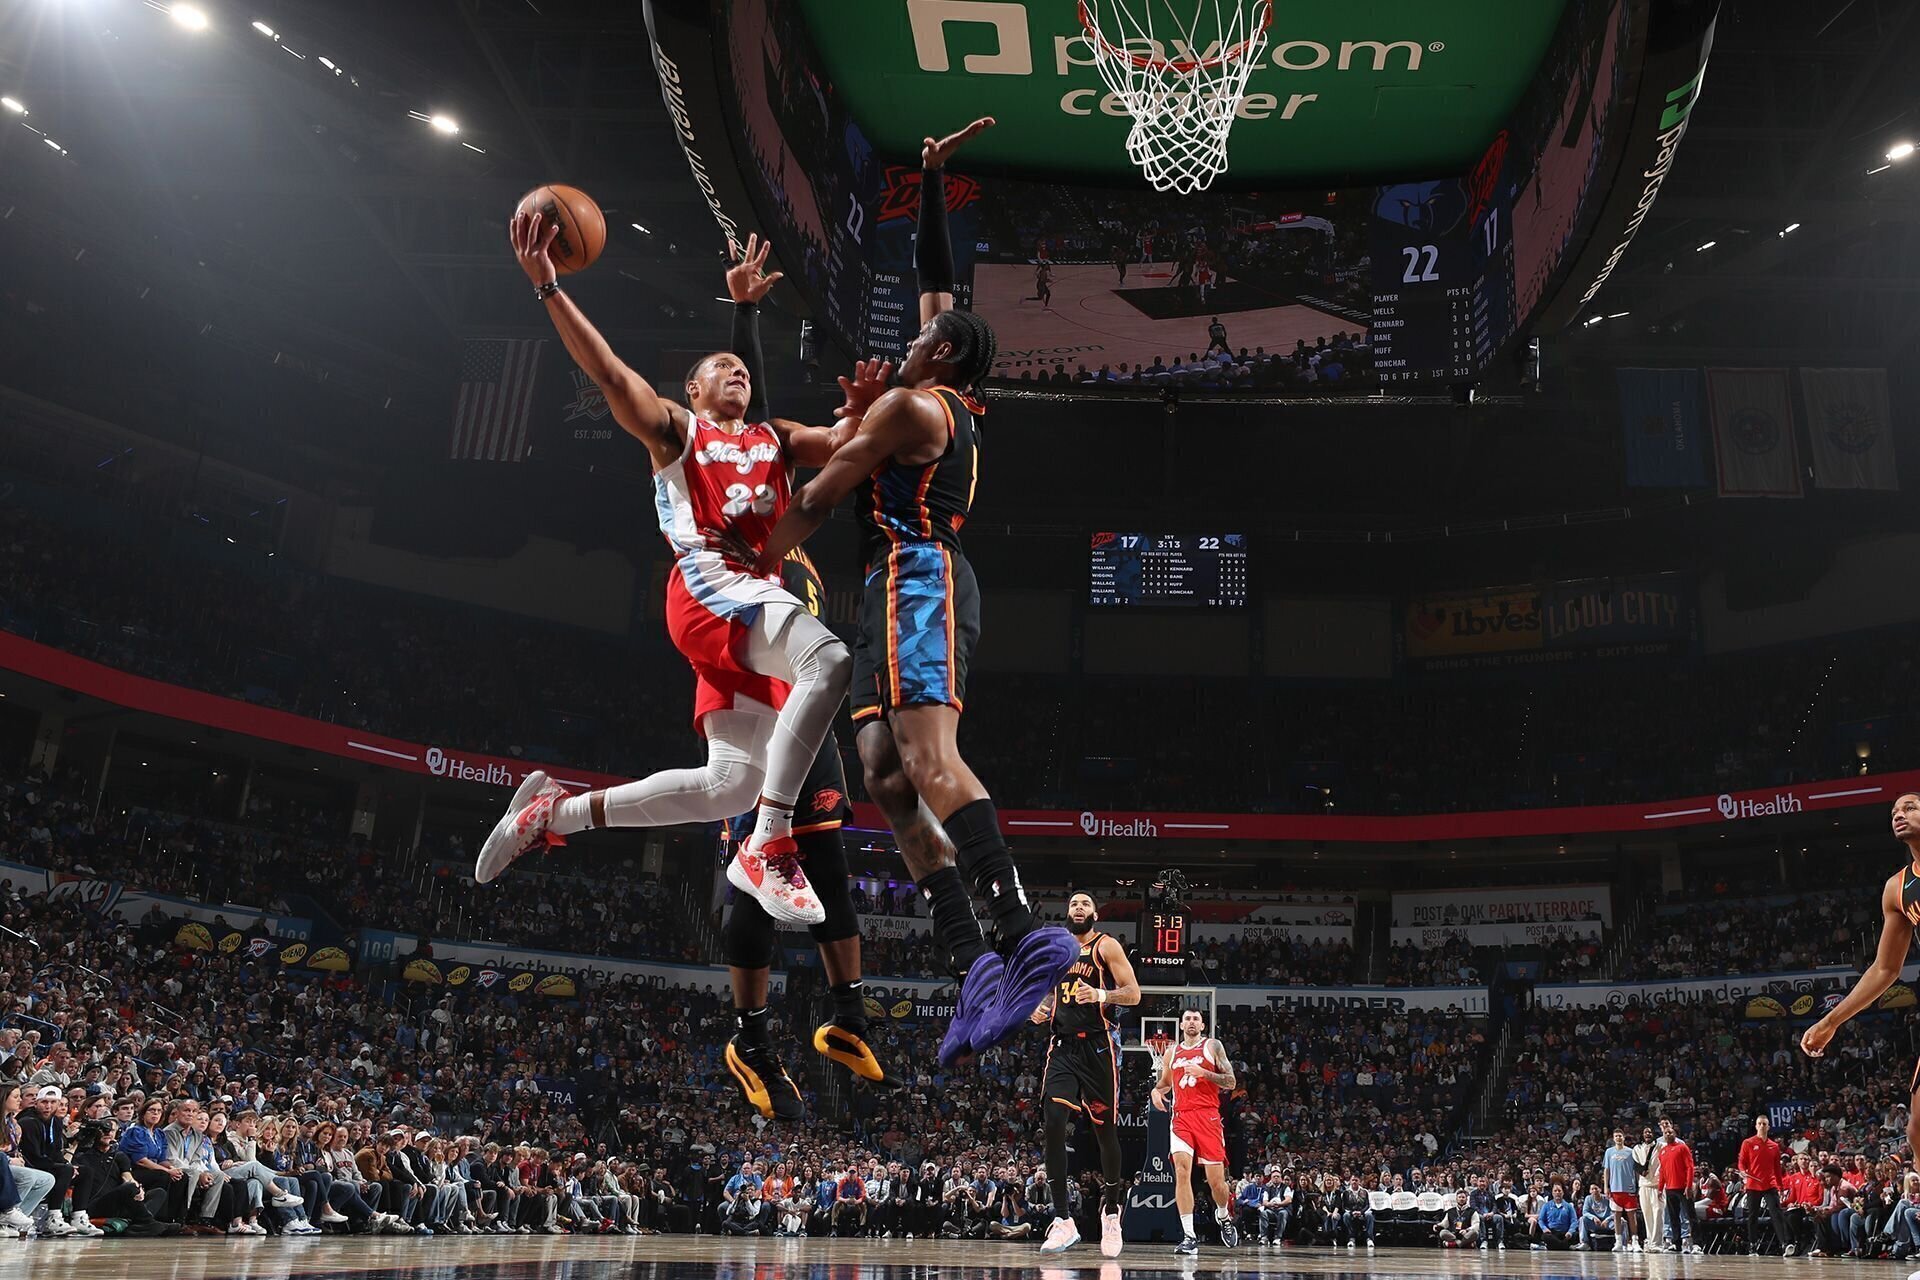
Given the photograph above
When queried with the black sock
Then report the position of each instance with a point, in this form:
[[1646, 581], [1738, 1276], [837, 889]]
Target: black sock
[[953, 921], [850, 1006], [754, 1030], [1114, 1184], [983, 854]]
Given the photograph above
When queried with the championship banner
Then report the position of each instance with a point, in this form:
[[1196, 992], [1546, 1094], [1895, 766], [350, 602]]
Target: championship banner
[[40, 662], [1753, 440], [1851, 426], [1522, 904], [1664, 429], [1508, 934]]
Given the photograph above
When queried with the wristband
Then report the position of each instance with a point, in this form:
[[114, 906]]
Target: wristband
[[1102, 993], [547, 290]]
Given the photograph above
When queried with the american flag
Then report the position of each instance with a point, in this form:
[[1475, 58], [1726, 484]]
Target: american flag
[[496, 393]]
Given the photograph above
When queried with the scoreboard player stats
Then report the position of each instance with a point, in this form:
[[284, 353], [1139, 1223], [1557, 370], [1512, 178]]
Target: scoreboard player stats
[[1169, 570]]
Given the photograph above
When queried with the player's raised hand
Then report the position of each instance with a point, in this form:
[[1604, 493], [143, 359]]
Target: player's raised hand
[[934, 153], [747, 280], [870, 381], [532, 236]]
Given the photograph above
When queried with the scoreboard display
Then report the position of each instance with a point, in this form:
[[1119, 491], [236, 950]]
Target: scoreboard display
[[1163, 947], [1169, 570], [1442, 280]]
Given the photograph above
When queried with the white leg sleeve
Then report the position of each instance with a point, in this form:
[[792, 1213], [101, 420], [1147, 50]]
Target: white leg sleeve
[[791, 644], [726, 786]]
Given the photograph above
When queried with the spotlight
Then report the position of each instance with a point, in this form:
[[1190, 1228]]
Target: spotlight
[[14, 105], [1708, 245], [1900, 151], [190, 17], [445, 124], [1617, 314], [1591, 321], [265, 30], [56, 146], [1789, 229], [642, 230]]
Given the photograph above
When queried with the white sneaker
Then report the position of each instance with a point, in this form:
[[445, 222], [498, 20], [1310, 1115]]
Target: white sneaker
[[287, 1200], [83, 1226], [1636, 1247], [772, 873], [1369, 1246], [1110, 1238], [330, 1216], [1061, 1236], [55, 1227], [523, 826], [14, 1220]]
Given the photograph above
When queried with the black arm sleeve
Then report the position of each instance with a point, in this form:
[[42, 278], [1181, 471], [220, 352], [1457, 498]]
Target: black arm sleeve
[[746, 345], [933, 247]]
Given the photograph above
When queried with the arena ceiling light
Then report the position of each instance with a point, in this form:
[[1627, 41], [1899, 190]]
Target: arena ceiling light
[[189, 17], [15, 105], [642, 230], [1900, 151], [445, 124], [1708, 245], [265, 30], [1789, 229]]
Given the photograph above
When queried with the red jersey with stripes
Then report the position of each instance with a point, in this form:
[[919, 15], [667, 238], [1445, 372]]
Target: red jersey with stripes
[[926, 503], [722, 481], [1194, 1095]]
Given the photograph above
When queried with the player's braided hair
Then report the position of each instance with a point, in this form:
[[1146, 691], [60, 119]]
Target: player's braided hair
[[974, 347]]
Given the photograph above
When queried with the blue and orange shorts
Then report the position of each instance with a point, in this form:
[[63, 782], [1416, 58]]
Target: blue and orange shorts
[[919, 621]]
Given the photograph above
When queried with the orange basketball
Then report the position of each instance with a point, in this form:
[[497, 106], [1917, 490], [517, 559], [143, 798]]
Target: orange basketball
[[583, 228]]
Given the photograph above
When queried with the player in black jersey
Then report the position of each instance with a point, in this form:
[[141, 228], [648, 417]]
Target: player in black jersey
[[1899, 917], [823, 808], [1082, 1075], [915, 459]]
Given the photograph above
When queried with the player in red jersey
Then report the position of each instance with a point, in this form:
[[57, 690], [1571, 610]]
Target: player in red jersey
[[1899, 917], [1195, 1072], [770, 676]]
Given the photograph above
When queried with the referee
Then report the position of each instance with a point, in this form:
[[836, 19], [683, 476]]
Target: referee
[[1082, 1075]]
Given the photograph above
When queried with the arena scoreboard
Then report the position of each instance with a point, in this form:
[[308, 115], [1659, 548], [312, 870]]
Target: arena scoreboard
[[1163, 946], [1169, 570]]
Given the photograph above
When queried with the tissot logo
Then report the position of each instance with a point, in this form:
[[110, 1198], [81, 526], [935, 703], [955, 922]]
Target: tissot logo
[[442, 765], [1095, 825], [1731, 808]]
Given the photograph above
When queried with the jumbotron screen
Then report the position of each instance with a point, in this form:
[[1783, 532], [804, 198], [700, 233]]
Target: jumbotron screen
[[1168, 570]]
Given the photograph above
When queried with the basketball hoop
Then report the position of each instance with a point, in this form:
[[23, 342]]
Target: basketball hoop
[[1157, 1045], [1183, 106]]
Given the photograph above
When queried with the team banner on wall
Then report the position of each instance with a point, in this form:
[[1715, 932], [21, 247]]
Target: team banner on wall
[[1851, 427], [1786, 988], [1753, 441], [1517, 905], [1602, 618], [1664, 428], [1512, 933]]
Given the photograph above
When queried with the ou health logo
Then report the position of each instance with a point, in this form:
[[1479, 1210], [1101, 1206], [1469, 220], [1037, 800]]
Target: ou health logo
[[436, 761], [1727, 807], [1089, 823]]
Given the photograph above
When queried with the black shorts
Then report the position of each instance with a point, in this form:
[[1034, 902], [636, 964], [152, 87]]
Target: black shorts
[[824, 804], [919, 621], [1083, 1072]]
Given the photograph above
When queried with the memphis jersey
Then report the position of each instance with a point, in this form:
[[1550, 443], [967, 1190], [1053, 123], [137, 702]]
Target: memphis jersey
[[724, 482], [926, 503], [1087, 970], [1198, 1096]]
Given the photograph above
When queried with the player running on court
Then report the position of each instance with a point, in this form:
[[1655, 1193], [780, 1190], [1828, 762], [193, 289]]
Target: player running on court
[[915, 459], [768, 675], [1899, 916], [1195, 1072], [1082, 1074]]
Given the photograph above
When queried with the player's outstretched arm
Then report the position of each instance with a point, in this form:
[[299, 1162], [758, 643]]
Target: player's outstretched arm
[[933, 246], [1896, 936], [900, 420], [636, 406]]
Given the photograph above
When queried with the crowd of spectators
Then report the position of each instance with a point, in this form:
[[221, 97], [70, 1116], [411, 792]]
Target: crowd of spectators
[[1323, 364], [1765, 935]]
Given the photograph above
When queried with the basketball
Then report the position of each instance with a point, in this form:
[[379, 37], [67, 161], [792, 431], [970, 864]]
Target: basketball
[[583, 228]]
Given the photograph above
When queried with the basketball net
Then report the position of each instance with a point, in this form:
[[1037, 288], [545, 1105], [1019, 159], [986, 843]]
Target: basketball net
[[1157, 1046], [1180, 67]]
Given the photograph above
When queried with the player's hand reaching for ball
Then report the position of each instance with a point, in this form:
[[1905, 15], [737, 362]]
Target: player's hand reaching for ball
[[871, 380], [747, 280], [934, 153], [532, 237], [1814, 1042]]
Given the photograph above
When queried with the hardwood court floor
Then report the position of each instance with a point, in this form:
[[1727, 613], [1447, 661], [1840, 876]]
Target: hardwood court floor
[[704, 1257]]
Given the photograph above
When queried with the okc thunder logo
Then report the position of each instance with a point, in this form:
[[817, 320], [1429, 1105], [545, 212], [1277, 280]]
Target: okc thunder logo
[[1434, 207], [825, 799]]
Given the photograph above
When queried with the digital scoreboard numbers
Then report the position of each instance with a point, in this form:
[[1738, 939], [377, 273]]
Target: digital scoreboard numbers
[[1169, 570], [1423, 283], [1163, 946]]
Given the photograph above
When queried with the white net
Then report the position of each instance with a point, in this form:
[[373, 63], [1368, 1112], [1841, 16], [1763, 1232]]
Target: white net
[[1180, 67]]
